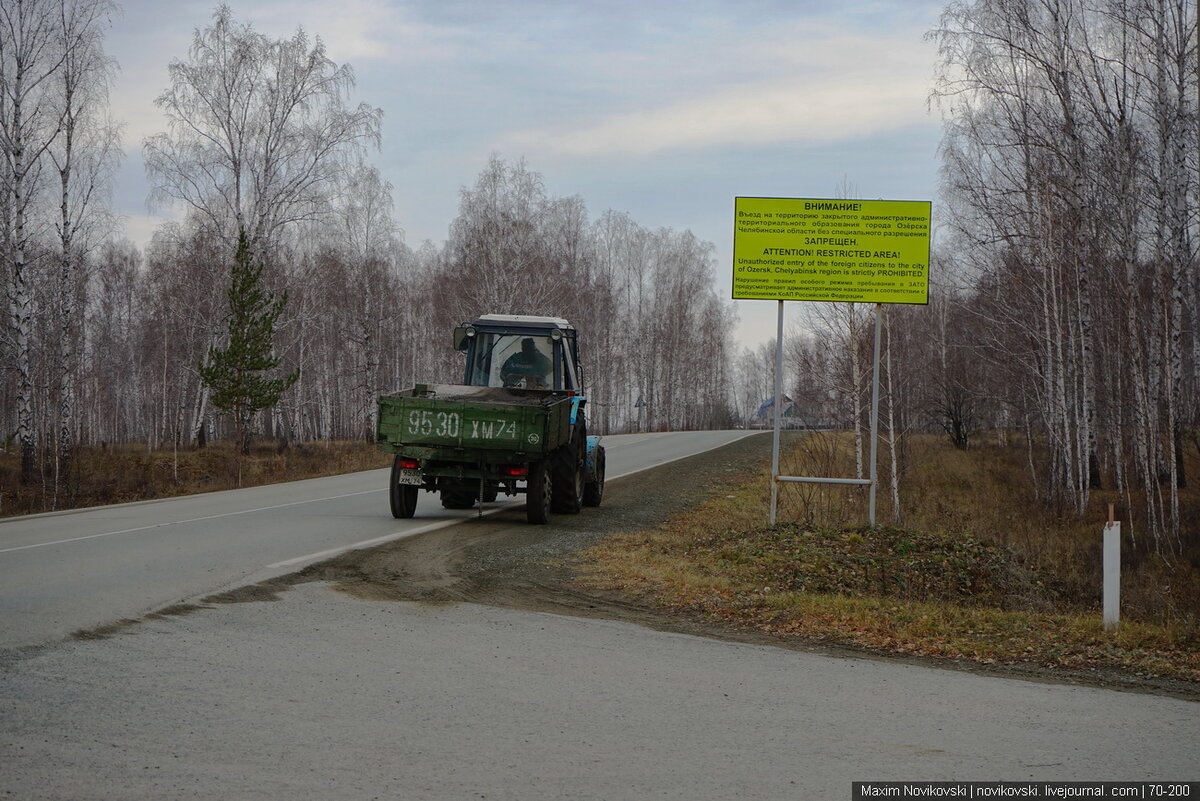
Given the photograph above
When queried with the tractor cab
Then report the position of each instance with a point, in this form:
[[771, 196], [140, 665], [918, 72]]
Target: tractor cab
[[520, 352]]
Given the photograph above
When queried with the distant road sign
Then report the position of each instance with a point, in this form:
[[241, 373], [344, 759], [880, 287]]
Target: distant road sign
[[872, 251]]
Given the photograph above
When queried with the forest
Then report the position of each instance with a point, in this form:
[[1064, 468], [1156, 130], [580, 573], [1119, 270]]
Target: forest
[[1064, 298], [107, 343]]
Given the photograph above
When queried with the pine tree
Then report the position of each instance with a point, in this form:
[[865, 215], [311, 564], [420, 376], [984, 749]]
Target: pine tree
[[236, 374]]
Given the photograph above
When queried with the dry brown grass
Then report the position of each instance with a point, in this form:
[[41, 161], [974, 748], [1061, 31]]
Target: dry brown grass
[[978, 571], [987, 492], [122, 473]]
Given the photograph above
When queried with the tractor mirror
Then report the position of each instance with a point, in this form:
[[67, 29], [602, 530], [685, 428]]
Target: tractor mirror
[[461, 335]]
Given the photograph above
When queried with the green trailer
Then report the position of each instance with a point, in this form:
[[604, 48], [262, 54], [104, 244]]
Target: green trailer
[[516, 425]]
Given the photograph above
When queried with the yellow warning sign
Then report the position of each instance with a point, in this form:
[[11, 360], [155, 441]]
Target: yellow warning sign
[[871, 251]]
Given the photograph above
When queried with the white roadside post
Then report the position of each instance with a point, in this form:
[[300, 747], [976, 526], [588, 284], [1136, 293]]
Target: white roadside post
[[1112, 572]]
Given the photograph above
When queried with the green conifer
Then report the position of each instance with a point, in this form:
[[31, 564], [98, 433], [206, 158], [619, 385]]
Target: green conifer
[[236, 374]]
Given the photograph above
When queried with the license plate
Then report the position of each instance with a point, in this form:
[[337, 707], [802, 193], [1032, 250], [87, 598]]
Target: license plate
[[409, 477]]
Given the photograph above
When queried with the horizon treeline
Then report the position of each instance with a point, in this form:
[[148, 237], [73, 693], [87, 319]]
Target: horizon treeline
[[367, 315], [105, 341]]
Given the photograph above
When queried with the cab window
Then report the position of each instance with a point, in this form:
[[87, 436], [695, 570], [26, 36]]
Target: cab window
[[515, 360]]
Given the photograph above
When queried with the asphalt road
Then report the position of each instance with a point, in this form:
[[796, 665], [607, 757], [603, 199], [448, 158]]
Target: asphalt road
[[324, 696], [320, 694], [63, 572]]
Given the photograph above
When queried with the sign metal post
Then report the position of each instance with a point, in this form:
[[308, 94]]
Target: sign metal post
[[778, 403], [875, 418], [865, 251]]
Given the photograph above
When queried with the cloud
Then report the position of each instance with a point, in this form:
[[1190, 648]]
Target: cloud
[[132, 106], [795, 112], [140, 228], [803, 83], [360, 30]]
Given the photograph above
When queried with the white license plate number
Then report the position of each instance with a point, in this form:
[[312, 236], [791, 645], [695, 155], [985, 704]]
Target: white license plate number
[[409, 477]]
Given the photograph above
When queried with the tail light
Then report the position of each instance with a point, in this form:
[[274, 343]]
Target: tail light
[[407, 464], [514, 471]]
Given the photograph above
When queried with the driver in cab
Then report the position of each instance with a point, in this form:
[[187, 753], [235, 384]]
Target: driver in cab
[[528, 368]]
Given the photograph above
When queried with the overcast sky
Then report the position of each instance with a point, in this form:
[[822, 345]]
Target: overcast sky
[[664, 110]]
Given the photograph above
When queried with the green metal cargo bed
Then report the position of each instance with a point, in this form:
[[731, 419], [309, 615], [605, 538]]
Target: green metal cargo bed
[[451, 422]]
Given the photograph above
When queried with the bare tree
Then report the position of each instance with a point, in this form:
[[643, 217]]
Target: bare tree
[[1070, 167], [843, 369], [30, 120], [84, 155], [112, 386], [366, 248], [498, 255], [258, 129]]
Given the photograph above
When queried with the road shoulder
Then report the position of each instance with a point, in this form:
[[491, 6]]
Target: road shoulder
[[504, 562]]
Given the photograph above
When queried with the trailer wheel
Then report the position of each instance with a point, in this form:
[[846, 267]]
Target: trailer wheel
[[593, 491], [539, 493], [403, 497], [568, 476]]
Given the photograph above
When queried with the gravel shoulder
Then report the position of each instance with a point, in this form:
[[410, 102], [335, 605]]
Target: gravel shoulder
[[502, 561]]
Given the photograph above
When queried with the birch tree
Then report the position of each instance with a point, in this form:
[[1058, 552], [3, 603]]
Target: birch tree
[[497, 254], [1070, 164], [257, 130], [84, 156], [30, 119]]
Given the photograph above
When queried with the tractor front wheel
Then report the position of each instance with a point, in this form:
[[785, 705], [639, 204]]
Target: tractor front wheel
[[593, 491]]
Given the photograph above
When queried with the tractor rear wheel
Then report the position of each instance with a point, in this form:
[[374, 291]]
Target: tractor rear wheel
[[539, 493], [568, 475]]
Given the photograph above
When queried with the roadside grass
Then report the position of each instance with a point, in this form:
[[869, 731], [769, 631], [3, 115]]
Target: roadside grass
[[976, 573], [988, 491], [121, 473]]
